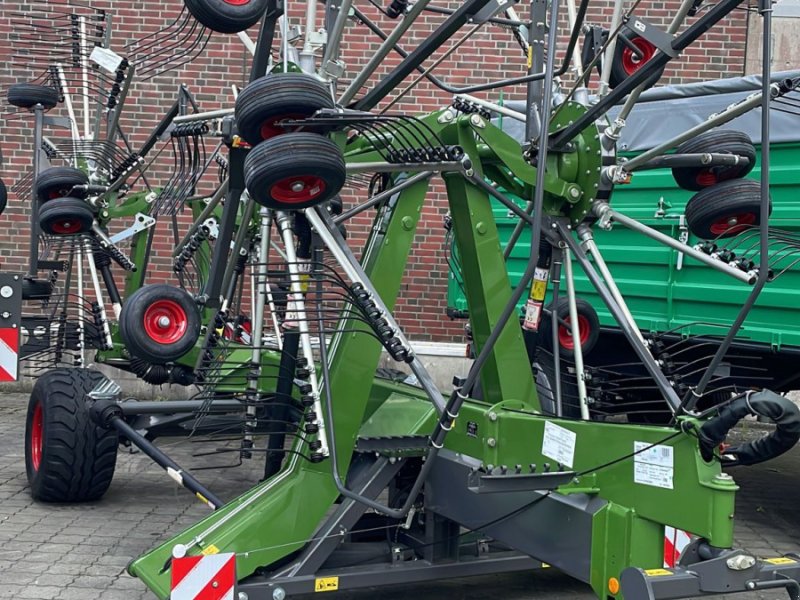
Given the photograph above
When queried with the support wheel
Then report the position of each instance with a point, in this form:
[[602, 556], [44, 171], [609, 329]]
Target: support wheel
[[159, 323], [3, 196], [57, 182], [277, 97], [28, 95], [626, 61], [588, 327], [294, 170], [719, 142], [227, 16], [725, 209], [66, 216], [68, 458]]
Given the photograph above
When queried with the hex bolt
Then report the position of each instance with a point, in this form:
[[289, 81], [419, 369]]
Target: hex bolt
[[740, 562], [491, 442], [493, 416], [278, 594]]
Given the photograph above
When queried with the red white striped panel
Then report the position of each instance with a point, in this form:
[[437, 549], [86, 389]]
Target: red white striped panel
[[675, 540], [211, 577]]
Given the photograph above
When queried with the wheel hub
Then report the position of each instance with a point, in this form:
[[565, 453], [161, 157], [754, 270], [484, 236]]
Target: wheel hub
[[165, 321]]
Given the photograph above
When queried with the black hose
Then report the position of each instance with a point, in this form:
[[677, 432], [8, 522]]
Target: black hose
[[778, 409]]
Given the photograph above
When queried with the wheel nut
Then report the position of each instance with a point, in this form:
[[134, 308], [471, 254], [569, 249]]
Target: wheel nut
[[163, 321], [298, 186], [733, 221]]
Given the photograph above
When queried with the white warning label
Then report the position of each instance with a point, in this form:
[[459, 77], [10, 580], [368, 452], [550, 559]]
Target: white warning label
[[107, 59], [559, 444], [653, 465]]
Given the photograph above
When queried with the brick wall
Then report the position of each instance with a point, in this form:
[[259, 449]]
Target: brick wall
[[223, 62]]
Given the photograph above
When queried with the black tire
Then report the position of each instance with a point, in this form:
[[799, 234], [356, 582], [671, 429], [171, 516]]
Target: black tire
[[589, 327], [294, 170], [159, 323], [626, 63], [57, 182], [725, 210], [277, 97], [227, 16], [719, 142], [544, 374], [65, 216], [28, 95], [36, 289], [68, 458], [3, 196]]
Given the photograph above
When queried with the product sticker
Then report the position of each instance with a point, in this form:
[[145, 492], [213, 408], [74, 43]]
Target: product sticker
[[653, 466], [107, 59], [472, 429], [326, 584], [657, 572], [559, 444], [532, 311]]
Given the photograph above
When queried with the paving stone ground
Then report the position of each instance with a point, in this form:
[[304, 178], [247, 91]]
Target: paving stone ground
[[63, 552]]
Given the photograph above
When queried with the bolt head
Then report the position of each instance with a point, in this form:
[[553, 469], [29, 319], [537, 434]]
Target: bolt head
[[278, 593], [163, 321], [298, 186]]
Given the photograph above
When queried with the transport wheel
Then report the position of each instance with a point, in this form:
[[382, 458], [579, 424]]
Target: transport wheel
[[626, 62], [36, 289], [159, 323], [588, 328], [726, 209], [28, 95], [294, 170], [544, 372], [68, 458], [277, 97], [66, 216], [719, 142], [57, 182], [3, 196], [227, 16]]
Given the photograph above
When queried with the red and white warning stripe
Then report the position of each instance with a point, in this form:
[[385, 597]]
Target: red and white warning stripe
[[675, 540], [9, 353], [211, 577]]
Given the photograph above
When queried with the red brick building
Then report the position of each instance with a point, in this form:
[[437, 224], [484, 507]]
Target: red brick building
[[224, 62]]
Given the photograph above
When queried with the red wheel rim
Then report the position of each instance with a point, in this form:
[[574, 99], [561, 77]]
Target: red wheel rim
[[66, 227], [632, 63], [565, 333], [270, 128], [733, 223], [236, 2], [706, 178], [294, 190], [55, 194], [165, 321], [37, 436]]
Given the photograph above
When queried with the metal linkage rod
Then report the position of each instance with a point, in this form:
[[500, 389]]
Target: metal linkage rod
[[384, 195], [329, 233]]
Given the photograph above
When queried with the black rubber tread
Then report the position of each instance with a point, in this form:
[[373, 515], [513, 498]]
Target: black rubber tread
[[61, 210], [294, 155], [28, 95], [3, 196], [131, 324], [36, 289], [544, 374], [275, 96], [618, 73], [224, 17], [78, 457], [57, 182], [718, 142], [726, 199], [584, 309]]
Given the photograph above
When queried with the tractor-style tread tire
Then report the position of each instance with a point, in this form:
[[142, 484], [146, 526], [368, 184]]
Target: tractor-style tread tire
[[710, 211], [718, 142], [57, 182], [227, 17], [274, 163], [28, 95], [77, 457], [276, 97], [587, 316], [65, 216], [133, 331]]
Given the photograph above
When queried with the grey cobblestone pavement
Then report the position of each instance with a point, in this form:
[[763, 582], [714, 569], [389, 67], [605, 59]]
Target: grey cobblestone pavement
[[63, 552]]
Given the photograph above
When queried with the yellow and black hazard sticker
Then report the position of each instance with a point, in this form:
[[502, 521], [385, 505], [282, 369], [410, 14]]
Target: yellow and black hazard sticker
[[326, 584], [657, 572], [781, 560], [210, 549]]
